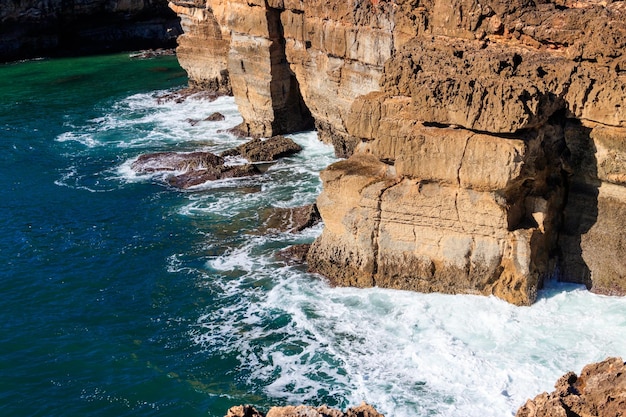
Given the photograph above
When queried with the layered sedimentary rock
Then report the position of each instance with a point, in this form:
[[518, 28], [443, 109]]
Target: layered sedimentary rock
[[600, 391], [486, 140], [32, 28]]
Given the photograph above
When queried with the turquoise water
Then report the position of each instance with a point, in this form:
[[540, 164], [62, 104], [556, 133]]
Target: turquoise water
[[124, 297]]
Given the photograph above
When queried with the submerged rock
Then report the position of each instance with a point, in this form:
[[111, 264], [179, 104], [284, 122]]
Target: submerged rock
[[599, 391], [364, 410]]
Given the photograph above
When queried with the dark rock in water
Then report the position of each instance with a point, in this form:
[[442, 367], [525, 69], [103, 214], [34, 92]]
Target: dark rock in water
[[200, 176], [364, 410], [599, 391], [292, 219], [153, 53], [183, 94], [215, 117], [238, 171], [195, 177], [176, 161], [195, 167], [243, 411], [258, 150], [199, 167], [294, 255]]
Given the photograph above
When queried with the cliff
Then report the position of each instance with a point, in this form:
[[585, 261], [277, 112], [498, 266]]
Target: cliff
[[33, 28], [485, 141]]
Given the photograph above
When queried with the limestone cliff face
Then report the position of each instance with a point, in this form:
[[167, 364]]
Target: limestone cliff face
[[32, 28], [486, 140]]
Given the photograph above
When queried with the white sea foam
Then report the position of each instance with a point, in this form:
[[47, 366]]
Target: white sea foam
[[140, 121], [409, 354], [86, 139]]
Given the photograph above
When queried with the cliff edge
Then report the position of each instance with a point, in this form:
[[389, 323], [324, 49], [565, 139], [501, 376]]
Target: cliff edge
[[485, 141]]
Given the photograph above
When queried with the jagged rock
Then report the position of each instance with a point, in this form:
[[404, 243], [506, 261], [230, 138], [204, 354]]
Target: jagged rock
[[259, 150], [295, 254], [215, 117], [599, 391], [195, 167], [200, 176], [179, 96], [364, 410], [176, 161], [485, 138], [153, 53], [243, 411], [291, 219]]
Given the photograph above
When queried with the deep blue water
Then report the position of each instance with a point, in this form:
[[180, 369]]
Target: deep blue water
[[121, 296]]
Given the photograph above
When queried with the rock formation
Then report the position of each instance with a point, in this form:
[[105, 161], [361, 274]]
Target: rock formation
[[271, 149], [599, 391], [189, 169], [34, 28], [364, 410], [486, 141], [289, 219]]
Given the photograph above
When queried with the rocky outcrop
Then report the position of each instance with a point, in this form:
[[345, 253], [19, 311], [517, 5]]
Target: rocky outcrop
[[599, 391], [30, 28], [289, 219], [364, 410], [189, 169], [271, 149], [485, 139]]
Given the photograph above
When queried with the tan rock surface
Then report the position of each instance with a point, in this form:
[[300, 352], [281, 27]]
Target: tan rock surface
[[599, 391], [487, 138]]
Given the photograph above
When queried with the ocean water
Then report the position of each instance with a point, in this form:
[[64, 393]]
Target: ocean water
[[121, 296]]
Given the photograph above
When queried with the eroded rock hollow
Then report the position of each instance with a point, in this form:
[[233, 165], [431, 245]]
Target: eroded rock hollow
[[485, 140]]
